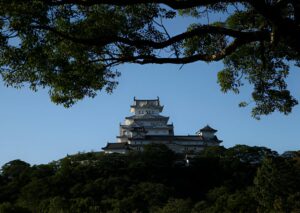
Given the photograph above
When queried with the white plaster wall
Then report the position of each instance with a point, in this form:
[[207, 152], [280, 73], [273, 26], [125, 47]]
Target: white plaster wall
[[128, 122], [207, 134], [120, 151], [121, 140]]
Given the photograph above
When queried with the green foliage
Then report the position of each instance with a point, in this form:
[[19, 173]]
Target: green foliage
[[177, 206], [74, 48], [222, 200], [70, 68], [277, 180], [10, 208], [158, 155], [248, 154], [15, 174], [15, 169], [239, 179], [203, 44], [266, 70], [213, 151]]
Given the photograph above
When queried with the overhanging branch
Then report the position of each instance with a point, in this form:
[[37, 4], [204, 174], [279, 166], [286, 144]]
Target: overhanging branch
[[149, 59], [171, 3], [140, 43]]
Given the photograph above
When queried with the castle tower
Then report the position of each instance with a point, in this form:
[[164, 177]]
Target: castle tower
[[146, 120], [148, 126]]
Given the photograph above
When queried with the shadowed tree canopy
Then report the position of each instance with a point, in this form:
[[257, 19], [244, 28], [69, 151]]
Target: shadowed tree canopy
[[73, 47], [96, 182]]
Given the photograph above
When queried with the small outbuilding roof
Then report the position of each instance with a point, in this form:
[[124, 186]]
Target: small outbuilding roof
[[207, 128], [116, 146]]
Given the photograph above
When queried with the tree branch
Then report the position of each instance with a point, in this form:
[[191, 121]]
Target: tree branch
[[175, 4], [148, 59], [138, 43]]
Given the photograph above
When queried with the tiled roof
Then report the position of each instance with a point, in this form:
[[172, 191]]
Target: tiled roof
[[207, 128], [146, 102], [147, 127], [135, 99], [174, 138], [146, 116], [116, 146], [215, 138], [133, 124]]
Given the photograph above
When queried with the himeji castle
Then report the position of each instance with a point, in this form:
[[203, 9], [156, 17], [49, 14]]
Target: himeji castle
[[147, 126]]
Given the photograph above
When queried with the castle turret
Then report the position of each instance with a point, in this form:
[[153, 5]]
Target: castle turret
[[207, 132], [142, 107]]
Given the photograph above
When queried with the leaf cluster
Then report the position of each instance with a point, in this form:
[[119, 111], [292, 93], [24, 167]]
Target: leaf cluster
[[73, 48], [238, 179]]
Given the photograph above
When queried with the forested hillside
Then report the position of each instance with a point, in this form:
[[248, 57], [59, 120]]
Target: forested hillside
[[238, 179]]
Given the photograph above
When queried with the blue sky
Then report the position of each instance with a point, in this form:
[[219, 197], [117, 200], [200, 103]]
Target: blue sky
[[37, 131]]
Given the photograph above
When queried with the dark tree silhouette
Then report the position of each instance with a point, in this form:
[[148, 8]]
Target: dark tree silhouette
[[74, 46], [238, 179]]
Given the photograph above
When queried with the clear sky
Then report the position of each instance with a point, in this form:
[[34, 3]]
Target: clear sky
[[37, 131]]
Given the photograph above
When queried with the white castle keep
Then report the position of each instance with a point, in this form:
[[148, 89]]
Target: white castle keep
[[147, 126]]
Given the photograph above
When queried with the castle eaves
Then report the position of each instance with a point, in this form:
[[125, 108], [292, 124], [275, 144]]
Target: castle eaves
[[147, 116]]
